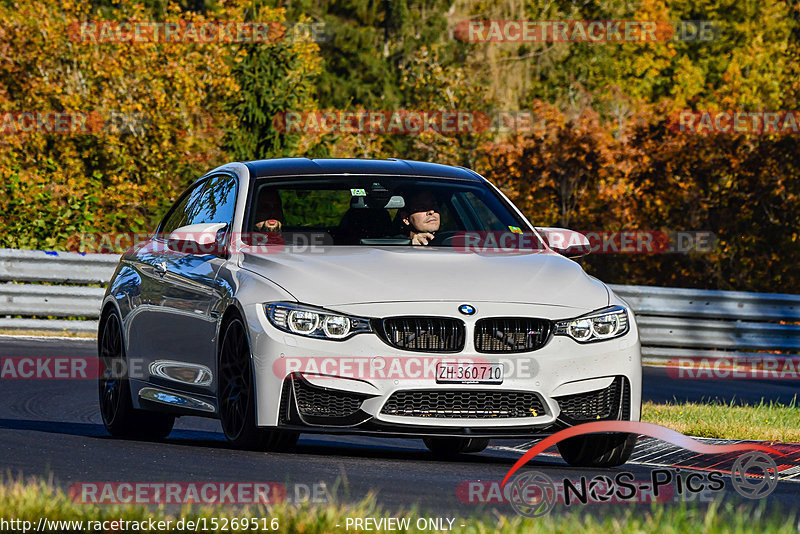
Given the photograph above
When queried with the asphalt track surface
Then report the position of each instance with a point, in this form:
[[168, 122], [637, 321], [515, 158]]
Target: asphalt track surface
[[52, 429]]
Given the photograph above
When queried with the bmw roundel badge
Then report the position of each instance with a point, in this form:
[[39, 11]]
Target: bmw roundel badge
[[467, 309]]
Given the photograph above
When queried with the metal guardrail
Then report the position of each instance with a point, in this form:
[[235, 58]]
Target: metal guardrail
[[680, 323], [47, 266], [673, 322], [19, 297]]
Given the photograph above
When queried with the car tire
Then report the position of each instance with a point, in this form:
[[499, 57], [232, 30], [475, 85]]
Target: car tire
[[597, 450], [120, 418], [236, 395], [447, 447]]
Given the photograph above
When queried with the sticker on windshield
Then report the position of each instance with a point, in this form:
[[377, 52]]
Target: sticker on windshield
[[358, 192], [515, 229]]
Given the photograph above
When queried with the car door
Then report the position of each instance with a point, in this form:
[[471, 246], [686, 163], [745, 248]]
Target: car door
[[183, 323], [145, 326]]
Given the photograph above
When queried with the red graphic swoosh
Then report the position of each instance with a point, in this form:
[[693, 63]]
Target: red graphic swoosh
[[635, 427]]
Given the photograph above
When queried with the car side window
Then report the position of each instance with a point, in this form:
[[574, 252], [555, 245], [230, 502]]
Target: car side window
[[484, 216], [180, 210], [211, 201], [217, 202]]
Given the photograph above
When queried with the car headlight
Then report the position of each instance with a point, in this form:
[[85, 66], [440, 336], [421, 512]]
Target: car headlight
[[602, 324], [314, 322]]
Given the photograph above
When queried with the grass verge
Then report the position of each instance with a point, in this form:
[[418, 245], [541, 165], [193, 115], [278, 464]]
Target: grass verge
[[769, 421], [34, 500], [47, 333]]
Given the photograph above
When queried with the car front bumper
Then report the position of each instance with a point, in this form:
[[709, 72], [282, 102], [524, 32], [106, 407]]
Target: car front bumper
[[313, 385]]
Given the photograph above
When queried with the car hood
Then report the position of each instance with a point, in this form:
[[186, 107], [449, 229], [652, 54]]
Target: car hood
[[357, 275]]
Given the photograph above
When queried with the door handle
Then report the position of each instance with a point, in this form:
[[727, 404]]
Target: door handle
[[161, 268]]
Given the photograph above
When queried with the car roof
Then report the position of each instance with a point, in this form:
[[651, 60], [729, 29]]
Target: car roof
[[391, 166]]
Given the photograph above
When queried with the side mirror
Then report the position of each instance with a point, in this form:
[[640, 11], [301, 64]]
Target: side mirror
[[198, 239], [566, 242]]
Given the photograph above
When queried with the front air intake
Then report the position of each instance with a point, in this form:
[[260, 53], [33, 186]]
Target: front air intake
[[462, 404], [610, 403]]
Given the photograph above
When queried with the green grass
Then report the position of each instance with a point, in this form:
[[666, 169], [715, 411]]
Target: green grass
[[765, 421], [32, 500]]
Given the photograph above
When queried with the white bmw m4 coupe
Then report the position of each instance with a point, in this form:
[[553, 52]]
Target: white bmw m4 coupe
[[378, 297]]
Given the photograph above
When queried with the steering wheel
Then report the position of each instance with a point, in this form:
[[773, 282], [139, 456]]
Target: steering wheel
[[444, 239]]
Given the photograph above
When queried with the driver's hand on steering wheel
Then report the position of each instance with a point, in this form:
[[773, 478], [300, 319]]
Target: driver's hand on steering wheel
[[423, 238]]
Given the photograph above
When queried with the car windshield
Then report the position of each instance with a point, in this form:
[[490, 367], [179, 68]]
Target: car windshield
[[376, 210]]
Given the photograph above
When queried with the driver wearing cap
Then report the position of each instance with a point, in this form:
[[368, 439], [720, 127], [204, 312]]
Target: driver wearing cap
[[421, 218]]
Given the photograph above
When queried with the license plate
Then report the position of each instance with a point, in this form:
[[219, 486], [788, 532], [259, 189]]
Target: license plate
[[469, 373]]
